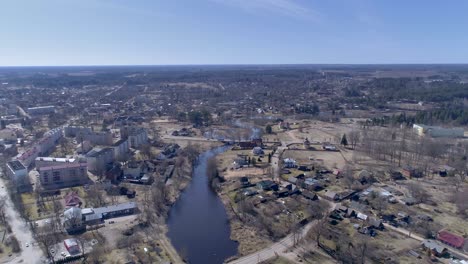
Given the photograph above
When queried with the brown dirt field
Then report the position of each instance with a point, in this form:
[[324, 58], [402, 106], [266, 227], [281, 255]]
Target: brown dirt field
[[249, 172], [329, 159]]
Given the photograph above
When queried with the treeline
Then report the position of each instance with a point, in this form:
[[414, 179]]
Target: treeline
[[197, 118], [455, 115], [417, 89]]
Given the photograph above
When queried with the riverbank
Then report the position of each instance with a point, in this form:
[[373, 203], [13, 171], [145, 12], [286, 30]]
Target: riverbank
[[198, 222], [247, 237], [184, 173]]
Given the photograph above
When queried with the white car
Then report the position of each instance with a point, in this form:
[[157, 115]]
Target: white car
[[27, 244]]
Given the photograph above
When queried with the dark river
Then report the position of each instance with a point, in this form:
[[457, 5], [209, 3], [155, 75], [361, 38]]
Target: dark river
[[198, 223]]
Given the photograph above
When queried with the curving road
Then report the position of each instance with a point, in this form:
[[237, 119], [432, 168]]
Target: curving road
[[277, 248]]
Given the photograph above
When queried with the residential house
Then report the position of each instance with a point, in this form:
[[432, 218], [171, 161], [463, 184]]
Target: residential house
[[247, 145], [258, 151], [375, 223], [331, 196], [72, 199], [410, 172], [309, 195], [434, 248], [450, 239], [244, 181], [289, 163], [267, 185]]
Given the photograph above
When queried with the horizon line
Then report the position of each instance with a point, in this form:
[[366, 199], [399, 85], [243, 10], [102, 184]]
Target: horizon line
[[233, 64]]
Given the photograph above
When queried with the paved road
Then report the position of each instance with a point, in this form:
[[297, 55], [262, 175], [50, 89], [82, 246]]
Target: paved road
[[278, 248], [31, 254]]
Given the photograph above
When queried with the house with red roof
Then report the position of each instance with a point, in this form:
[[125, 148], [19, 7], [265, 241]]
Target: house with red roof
[[451, 239], [72, 199]]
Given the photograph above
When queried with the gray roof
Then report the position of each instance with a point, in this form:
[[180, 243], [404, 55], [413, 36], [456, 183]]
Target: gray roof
[[102, 211], [93, 153], [16, 165], [115, 208], [434, 245]]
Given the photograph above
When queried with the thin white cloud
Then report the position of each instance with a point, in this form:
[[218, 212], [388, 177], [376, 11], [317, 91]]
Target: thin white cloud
[[282, 7]]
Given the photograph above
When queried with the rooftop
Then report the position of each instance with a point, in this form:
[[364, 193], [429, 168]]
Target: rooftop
[[16, 165], [95, 153], [452, 239], [52, 159]]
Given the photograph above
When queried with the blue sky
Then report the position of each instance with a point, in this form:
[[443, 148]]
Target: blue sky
[[121, 32]]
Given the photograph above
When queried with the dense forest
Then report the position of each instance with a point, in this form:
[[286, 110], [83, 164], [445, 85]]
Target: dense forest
[[417, 89]]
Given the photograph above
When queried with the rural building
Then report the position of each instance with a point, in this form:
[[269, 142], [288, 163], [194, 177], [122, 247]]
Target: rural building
[[247, 145], [434, 131], [72, 199], [331, 196], [72, 246], [267, 185], [410, 172], [289, 163], [434, 247], [257, 151], [451, 239]]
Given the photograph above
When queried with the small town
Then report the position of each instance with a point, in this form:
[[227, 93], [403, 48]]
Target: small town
[[233, 132], [119, 177]]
